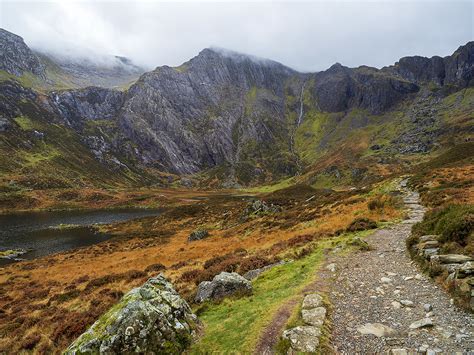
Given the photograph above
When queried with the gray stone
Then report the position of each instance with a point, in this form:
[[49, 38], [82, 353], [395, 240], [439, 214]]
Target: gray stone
[[422, 323], [396, 305], [312, 301], [427, 307], [466, 269], [253, 274], [303, 338], [152, 318], [377, 329], [427, 238], [331, 267], [407, 303], [198, 235], [386, 280], [429, 244], [454, 259], [223, 285], [314, 316], [428, 253]]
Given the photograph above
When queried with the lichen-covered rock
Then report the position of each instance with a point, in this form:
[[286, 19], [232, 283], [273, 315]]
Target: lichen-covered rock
[[223, 285], [303, 338], [149, 319], [312, 300], [314, 316]]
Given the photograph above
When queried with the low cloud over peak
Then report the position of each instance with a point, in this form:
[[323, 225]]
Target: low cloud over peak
[[307, 36]]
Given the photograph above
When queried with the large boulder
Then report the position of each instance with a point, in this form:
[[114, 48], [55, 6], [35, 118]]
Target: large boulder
[[149, 319], [223, 285]]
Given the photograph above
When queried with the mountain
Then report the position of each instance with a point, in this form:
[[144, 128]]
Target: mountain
[[230, 119], [46, 71], [16, 57]]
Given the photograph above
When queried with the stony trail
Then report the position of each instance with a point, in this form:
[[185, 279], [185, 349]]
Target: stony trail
[[373, 286]]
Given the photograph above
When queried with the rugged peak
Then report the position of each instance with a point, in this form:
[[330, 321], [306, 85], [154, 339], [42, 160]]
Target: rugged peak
[[337, 67], [233, 57], [16, 57]]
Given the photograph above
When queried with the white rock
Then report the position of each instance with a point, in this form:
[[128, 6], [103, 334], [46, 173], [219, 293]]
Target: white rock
[[314, 316], [427, 307], [398, 352], [396, 305], [419, 277], [386, 280], [408, 278], [331, 267], [377, 329], [407, 303], [425, 322], [312, 300]]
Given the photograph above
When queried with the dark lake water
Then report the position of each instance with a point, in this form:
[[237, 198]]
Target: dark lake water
[[44, 233]]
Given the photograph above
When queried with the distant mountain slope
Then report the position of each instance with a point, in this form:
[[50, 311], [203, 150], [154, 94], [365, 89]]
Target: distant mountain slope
[[234, 119], [47, 71]]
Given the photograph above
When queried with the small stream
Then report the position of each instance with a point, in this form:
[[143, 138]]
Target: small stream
[[44, 233]]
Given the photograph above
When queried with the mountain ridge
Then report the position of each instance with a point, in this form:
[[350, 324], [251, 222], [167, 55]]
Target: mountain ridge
[[243, 120]]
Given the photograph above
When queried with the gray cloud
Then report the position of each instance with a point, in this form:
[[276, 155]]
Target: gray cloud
[[307, 36]]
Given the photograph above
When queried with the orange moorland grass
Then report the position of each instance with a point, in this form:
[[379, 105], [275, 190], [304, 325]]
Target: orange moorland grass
[[46, 303]]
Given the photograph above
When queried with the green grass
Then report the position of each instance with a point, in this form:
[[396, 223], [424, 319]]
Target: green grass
[[453, 223], [271, 188], [24, 122], [237, 323]]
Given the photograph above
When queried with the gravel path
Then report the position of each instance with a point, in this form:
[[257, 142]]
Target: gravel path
[[370, 287]]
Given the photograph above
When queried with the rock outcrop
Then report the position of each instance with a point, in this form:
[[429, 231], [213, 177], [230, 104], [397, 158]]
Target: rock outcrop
[[16, 57], [223, 285], [198, 235], [76, 107], [149, 319]]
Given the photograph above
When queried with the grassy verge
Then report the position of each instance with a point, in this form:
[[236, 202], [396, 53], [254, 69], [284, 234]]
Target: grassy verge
[[238, 323]]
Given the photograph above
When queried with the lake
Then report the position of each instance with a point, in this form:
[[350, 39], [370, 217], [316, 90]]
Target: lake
[[44, 233]]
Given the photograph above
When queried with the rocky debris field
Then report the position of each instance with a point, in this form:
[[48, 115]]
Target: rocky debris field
[[383, 303]]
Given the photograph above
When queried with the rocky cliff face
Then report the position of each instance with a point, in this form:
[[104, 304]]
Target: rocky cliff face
[[93, 103], [456, 69], [16, 57], [205, 112], [236, 116], [340, 88]]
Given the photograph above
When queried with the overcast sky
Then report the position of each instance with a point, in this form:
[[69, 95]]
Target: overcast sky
[[307, 36]]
